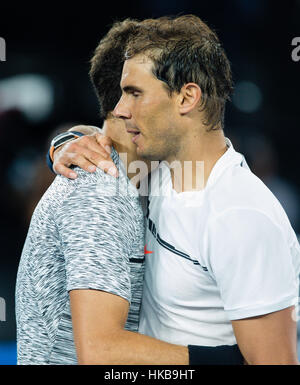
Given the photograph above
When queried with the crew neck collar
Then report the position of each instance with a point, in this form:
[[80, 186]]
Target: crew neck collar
[[229, 158]]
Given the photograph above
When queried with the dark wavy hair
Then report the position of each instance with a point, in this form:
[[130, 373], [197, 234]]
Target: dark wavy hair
[[107, 63], [184, 49]]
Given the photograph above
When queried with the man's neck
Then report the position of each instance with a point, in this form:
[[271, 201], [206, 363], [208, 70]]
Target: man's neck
[[196, 159]]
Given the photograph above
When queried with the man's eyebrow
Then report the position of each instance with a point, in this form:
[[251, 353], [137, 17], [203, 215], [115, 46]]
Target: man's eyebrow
[[129, 89]]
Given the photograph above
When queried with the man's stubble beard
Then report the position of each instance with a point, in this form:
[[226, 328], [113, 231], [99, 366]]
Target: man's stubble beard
[[166, 148]]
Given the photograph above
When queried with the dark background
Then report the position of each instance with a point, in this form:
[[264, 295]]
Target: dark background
[[44, 87]]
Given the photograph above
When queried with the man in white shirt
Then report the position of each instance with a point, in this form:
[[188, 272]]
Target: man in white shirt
[[221, 254], [225, 261]]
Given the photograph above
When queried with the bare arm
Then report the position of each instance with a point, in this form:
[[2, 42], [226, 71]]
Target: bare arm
[[87, 152], [98, 327], [270, 339]]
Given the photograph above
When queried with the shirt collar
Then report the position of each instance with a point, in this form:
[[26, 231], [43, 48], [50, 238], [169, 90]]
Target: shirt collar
[[229, 158]]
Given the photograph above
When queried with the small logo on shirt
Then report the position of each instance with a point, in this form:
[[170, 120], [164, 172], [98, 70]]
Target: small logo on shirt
[[147, 251]]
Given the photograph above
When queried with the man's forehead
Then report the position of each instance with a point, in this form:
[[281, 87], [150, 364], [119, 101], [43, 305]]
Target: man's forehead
[[137, 65]]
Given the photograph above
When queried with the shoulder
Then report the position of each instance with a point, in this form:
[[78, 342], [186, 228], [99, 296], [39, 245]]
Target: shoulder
[[237, 235], [243, 213], [99, 196], [239, 191], [242, 220], [89, 186]]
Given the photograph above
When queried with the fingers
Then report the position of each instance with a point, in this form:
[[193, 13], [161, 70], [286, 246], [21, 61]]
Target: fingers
[[60, 169], [86, 153], [109, 167], [89, 143], [92, 149], [93, 156], [76, 160], [104, 141]]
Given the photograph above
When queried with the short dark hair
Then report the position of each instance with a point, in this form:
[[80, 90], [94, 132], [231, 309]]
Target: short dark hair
[[184, 49], [107, 63]]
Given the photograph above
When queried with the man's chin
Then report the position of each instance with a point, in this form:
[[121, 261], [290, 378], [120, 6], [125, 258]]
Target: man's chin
[[146, 156], [146, 153]]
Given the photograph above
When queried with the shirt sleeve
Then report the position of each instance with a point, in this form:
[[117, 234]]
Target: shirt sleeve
[[94, 239], [252, 264]]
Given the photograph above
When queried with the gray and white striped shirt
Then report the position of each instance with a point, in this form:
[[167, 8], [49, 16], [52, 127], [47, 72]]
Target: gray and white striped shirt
[[86, 233]]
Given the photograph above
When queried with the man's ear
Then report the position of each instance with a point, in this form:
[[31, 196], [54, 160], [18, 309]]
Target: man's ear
[[189, 97]]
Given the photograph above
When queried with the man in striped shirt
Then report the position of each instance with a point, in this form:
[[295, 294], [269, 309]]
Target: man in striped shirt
[[80, 278]]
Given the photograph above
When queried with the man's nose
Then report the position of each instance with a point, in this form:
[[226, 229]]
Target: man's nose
[[121, 111]]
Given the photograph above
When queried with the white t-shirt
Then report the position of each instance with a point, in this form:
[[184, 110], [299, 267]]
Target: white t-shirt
[[224, 253]]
